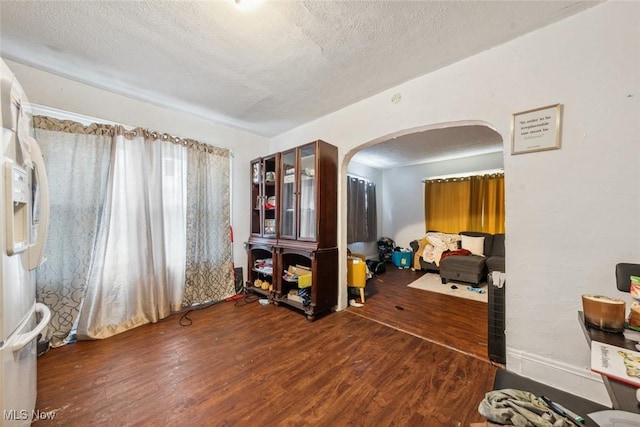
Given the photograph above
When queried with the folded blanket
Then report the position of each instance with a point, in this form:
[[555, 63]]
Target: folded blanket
[[519, 408]]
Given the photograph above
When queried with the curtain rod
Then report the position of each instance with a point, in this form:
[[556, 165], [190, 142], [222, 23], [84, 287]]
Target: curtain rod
[[360, 177], [127, 130], [464, 175], [57, 113]]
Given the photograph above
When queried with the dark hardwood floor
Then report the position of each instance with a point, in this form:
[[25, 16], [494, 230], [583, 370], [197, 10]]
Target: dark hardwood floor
[[457, 323], [244, 364]]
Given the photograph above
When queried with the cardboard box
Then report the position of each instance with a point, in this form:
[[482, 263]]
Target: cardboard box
[[294, 296]]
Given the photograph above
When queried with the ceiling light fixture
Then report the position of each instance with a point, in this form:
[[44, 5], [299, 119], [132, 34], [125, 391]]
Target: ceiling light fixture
[[246, 5]]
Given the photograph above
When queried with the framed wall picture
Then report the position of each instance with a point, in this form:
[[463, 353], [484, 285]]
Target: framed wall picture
[[536, 130]]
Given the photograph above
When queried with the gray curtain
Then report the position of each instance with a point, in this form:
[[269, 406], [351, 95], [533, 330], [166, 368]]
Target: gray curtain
[[77, 159], [361, 211], [372, 213]]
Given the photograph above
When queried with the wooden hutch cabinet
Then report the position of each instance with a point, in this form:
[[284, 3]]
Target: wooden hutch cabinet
[[304, 242]]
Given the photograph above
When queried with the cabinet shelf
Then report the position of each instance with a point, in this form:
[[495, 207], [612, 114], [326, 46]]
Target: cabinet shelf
[[263, 292], [293, 303]]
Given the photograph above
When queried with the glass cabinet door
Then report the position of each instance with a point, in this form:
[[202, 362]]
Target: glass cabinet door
[[307, 227], [288, 197], [269, 197], [264, 197], [256, 197]]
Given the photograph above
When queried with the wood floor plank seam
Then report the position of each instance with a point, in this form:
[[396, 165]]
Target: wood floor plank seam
[[416, 335]]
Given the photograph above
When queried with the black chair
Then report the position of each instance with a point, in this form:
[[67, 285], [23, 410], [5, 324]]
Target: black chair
[[623, 271]]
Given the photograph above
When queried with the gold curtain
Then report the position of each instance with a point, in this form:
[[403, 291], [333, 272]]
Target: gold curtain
[[465, 204], [447, 205], [493, 201]]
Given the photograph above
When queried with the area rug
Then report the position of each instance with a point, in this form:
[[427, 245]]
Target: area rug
[[431, 282]]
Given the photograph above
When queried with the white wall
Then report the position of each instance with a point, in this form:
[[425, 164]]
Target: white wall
[[403, 193], [572, 213], [53, 91]]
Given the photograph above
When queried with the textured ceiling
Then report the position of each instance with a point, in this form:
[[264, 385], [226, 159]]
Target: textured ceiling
[[266, 71], [431, 146]]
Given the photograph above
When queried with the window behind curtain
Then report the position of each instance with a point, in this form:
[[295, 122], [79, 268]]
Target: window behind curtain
[[361, 211], [128, 224], [474, 203]]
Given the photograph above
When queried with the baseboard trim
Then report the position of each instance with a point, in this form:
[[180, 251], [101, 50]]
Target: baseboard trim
[[572, 379]]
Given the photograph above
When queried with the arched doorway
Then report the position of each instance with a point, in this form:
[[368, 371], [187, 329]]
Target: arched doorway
[[399, 163]]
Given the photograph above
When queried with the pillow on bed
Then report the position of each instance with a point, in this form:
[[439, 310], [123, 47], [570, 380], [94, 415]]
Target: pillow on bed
[[473, 244]]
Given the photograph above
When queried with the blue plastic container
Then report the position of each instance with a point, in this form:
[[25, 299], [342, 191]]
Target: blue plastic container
[[402, 259]]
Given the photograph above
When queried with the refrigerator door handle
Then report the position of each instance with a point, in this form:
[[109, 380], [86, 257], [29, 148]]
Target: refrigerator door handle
[[25, 339], [35, 252]]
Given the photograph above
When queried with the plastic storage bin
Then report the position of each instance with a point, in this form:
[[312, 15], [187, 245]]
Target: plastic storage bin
[[402, 259], [356, 272]]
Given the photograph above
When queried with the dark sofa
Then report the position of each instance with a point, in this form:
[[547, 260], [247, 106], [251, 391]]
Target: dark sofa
[[495, 261], [469, 268]]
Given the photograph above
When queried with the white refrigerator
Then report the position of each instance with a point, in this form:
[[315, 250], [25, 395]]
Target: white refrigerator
[[24, 218]]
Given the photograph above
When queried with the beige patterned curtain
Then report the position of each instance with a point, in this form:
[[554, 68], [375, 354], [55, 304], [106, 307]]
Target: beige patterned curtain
[[139, 227], [209, 265], [78, 159]]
